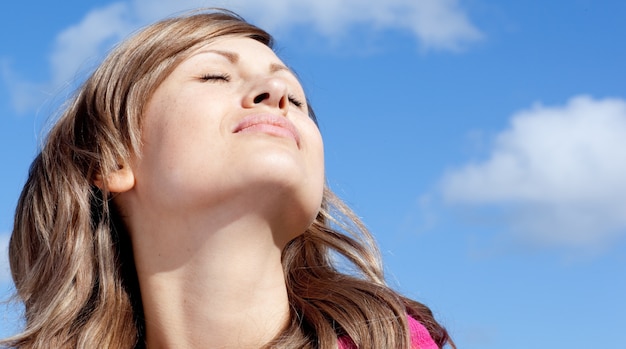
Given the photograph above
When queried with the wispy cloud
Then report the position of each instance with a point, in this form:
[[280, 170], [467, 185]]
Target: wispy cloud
[[97, 31], [556, 175], [5, 273], [74, 49], [24, 94], [436, 25]]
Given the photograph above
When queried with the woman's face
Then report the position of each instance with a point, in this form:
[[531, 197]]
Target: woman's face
[[229, 124]]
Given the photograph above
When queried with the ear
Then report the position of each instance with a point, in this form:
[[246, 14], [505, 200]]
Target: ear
[[118, 181]]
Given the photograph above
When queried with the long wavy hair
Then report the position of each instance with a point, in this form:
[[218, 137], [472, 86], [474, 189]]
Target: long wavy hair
[[70, 253]]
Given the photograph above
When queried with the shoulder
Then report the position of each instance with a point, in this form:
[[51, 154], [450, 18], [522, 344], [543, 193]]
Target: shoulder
[[420, 338]]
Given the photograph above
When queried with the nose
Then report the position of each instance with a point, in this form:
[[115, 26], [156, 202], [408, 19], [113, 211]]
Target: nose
[[271, 92]]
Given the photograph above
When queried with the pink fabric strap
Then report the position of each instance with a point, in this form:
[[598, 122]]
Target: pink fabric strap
[[420, 338]]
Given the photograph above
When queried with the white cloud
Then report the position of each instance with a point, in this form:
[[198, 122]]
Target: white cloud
[[5, 272], [437, 24], [73, 50], [557, 173], [88, 39], [24, 94]]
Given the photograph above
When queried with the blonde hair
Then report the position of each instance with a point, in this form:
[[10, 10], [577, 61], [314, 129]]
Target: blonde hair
[[70, 254]]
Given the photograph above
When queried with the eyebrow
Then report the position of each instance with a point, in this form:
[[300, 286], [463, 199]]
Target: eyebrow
[[275, 67], [233, 58]]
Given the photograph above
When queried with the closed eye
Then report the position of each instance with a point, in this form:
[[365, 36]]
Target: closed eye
[[216, 77], [293, 100]]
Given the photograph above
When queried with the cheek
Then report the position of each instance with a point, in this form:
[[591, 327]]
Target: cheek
[[178, 129], [319, 149], [178, 149], [314, 145], [316, 161]]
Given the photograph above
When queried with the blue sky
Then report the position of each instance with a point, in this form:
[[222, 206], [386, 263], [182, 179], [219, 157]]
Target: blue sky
[[482, 142]]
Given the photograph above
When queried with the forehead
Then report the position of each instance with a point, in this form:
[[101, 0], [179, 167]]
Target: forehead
[[238, 49]]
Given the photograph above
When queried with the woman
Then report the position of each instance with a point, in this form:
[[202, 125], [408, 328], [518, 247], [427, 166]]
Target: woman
[[179, 202]]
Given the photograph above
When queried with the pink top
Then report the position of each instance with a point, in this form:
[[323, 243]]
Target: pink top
[[420, 338]]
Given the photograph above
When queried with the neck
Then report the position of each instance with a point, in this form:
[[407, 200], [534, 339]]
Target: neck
[[211, 287]]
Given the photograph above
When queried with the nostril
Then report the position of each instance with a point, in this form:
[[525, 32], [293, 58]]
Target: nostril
[[260, 98]]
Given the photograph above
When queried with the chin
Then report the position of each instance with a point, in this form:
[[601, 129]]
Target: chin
[[291, 202]]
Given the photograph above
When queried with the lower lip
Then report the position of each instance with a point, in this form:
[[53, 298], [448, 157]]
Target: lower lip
[[269, 129]]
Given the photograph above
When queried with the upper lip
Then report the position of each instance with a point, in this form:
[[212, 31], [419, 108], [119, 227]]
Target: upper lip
[[268, 119]]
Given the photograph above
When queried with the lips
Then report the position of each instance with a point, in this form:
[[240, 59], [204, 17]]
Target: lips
[[270, 124]]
